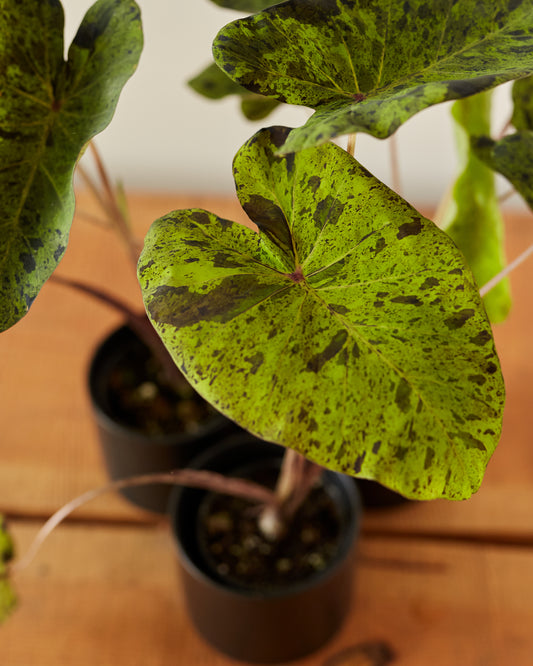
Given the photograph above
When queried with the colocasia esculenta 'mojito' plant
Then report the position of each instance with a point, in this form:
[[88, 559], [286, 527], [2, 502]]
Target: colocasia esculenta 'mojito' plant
[[350, 328]]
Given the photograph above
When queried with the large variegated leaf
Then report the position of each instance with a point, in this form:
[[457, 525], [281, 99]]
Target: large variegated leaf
[[474, 220], [369, 65], [49, 110], [350, 328]]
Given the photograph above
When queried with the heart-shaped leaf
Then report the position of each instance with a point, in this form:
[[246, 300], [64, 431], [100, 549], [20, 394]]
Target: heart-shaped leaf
[[511, 156], [49, 110], [349, 328], [213, 83], [7, 595], [369, 65], [473, 219]]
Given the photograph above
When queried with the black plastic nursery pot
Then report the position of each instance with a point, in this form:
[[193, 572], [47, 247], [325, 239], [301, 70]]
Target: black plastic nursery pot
[[272, 623], [127, 450]]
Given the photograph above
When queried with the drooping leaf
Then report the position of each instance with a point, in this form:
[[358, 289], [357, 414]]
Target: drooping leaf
[[245, 5], [369, 65], [213, 83], [49, 110], [7, 595], [256, 107], [511, 156], [350, 328], [474, 220], [522, 94]]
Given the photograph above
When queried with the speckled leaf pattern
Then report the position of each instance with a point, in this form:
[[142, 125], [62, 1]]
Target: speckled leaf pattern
[[369, 65], [7, 595], [474, 220], [349, 328], [213, 83], [49, 110], [522, 94], [511, 156]]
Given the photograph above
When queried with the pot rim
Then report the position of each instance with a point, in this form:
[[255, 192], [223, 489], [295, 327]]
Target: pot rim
[[96, 360], [349, 536]]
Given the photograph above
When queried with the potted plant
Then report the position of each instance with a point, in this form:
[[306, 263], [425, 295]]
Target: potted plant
[[350, 329]]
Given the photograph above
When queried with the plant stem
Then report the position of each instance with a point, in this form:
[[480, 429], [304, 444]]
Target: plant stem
[[503, 273], [297, 477], [137, 321], [187, 477], [121, 223], [350, 148], [395, 164], [105, 195]]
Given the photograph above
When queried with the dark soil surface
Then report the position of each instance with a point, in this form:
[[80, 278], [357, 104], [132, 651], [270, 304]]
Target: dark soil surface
[[141, 398], [239, 554]]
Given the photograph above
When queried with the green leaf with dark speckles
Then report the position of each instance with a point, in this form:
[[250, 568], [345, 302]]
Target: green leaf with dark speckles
[[473, 218], [369, 65], [49, 110], [349, 328]]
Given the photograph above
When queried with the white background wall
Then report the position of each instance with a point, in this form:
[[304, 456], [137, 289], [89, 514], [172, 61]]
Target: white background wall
[[166, 137]]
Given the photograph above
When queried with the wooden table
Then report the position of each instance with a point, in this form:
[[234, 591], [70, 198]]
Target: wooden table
[[440, 584]]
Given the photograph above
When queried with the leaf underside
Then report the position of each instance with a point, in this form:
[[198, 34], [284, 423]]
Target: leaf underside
[[474, 219], [368, 66], [349, 328], [49, 110]]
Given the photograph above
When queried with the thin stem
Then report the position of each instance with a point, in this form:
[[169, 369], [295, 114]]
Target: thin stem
[[395, 164], [296, 479], [93, 219], [117, 216], [187, 477], [108, 200], [504, 129], [506, 195], [137, 321], [89, 182], [350, 148], [503, 273]]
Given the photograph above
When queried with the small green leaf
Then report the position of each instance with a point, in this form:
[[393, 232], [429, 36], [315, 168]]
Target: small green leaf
[[522, 94], [49, 110], [213, 83], [474, 220], [7, 595], [349, 328], [367, 65], [256, 107], [511, 156]]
